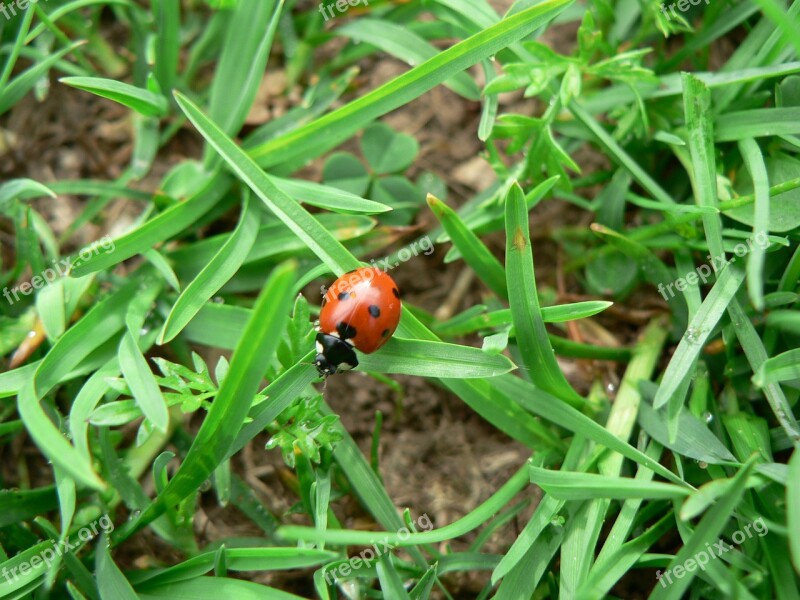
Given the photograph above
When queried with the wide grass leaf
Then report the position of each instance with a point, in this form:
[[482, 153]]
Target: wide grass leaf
[[534, 344], [214, 588], [142, 101], [111, 583], [434, 359]]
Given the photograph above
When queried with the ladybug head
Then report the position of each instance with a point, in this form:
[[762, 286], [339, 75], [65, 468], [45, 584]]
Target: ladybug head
[[333, 355]]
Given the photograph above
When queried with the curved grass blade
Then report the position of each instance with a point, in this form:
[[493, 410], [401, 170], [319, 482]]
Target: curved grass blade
[[472, 249], [754, 160], [329, 198], [142, 101], [456, 529], [232, 403], [214, 588], [783, 367], [142, 383], [250, 33], [534, 344], [51, 442], [239, 559], [793, 508], [328, 131], [219, 270]]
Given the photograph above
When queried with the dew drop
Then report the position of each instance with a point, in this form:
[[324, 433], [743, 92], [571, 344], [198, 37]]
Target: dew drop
[[218, 300], [31, 334], [692, 335], [702, 464], [708, 417]]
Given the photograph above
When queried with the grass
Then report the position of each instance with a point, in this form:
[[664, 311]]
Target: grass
[[693, 209]]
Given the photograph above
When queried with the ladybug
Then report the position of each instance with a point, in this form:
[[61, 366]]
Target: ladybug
[[360, 310]]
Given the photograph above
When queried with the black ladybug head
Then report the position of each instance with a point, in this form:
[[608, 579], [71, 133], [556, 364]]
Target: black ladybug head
[[333, 355]]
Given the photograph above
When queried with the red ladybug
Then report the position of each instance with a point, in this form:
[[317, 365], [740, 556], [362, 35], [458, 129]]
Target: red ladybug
[[361, 309]]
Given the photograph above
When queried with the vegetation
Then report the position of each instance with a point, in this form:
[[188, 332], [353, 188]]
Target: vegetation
[[673, 131]]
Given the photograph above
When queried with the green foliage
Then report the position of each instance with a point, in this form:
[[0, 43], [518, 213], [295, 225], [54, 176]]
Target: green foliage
[[649, 168]]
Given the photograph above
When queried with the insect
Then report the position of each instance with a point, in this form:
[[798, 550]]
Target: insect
[[360, 310]]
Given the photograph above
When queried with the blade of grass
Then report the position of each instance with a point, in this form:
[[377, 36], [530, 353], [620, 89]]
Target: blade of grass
[[232, 403], [326, 132], [532, 339], [700, 328], [472, 249], [219, 270]]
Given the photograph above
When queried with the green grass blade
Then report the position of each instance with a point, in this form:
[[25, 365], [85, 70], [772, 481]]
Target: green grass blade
[[232, 403], [219, 270], [566, 485], [111, 583], [472, 249], [142, 384], [305, 226], [434, 359], [700, 328], [326, 132], [142, 101], [407, 46], [754, 161], [159, 229], [534, 344], [458, 528], [793, 509], [707, 532], [250, 33], [51, 441]]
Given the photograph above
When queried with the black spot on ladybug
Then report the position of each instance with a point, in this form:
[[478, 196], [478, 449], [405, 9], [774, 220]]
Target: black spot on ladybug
[[375, 311], [385, 333], [343, 295], [346, 331], [396, 292]]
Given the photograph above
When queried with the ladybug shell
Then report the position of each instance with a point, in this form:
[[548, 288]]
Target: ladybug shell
[[361, 307]]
